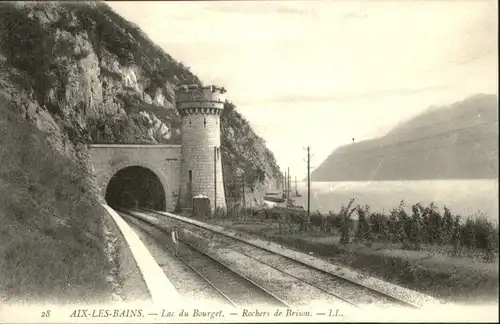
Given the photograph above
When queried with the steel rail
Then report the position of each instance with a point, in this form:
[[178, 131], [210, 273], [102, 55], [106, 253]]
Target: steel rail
[[237, 273], [395, 299], [180, 259]]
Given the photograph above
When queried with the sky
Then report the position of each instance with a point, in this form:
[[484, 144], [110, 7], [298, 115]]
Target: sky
[[320, 73]]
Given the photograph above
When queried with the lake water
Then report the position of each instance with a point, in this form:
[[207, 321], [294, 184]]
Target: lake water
[[464, 197]]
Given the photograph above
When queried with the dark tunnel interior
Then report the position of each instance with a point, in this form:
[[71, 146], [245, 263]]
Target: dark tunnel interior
[[137, 187]]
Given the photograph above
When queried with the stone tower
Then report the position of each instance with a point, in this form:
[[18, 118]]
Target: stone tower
[[201, 167]]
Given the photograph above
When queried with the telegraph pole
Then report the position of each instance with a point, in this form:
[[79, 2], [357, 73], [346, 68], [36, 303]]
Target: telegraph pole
[[284, 184], [287, 193], [289, 181], [243, 189], [215, 179], [308, 185], [283, 195]]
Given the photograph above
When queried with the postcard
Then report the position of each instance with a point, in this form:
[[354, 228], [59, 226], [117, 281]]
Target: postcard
[[248, 161]]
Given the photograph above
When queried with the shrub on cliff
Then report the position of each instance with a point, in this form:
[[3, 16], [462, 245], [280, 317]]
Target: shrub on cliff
[[242, 149], [52, 246]]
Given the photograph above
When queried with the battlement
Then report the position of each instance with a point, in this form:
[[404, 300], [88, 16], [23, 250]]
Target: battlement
[[193, 99], [196, 93]]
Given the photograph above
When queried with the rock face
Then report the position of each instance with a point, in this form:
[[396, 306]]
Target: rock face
[[459, 141], [84, 75], [249, 163]]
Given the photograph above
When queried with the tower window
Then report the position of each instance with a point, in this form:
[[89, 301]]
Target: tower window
[[190, 176], [189, 121], [204, 122]]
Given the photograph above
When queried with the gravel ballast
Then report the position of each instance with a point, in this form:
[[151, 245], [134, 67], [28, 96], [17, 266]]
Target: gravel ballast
[[408, 296]]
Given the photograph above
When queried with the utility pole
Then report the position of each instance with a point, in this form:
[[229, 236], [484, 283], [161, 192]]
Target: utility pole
[[289, 182], [215, 179], [283, 196], [308, 186], [284, 184], [286, 176], [284, 187], [243, 189], [287, 194]]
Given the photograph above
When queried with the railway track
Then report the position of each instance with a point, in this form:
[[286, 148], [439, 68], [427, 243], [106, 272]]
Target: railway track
[[331, 286], [228, 284]]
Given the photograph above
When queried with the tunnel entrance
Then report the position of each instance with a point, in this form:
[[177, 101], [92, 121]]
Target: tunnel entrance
[[135, 186]]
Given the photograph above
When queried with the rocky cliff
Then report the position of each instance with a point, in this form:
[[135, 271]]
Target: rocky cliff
[[83, 74], [459, 141]]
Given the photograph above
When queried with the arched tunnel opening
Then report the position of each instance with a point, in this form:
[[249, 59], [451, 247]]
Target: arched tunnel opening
[[135, 187]]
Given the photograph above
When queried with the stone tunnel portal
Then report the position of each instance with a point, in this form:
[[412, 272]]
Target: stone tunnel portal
[[135, 186]]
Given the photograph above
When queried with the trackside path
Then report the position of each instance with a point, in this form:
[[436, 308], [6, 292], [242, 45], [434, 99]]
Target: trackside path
[[160, 288]]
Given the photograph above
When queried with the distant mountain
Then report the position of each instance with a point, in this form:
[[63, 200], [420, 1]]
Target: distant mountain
[[459, 141]]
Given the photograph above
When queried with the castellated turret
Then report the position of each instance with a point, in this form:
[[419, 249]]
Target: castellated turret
[[201, 167]]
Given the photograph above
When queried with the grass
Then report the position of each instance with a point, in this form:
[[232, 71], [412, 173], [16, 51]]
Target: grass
[[51, 240], [467, 274]]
